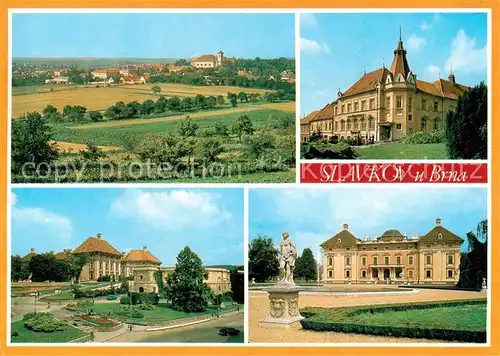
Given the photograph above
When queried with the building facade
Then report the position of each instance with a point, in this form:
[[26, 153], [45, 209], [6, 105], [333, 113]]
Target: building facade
[[433, 258], [386, 104]]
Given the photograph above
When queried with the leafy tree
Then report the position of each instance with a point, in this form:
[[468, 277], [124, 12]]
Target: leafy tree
[[262, 259], [233, 99], [238, 285], [243, 126], [161, 105], [95, 116], [474, 264], [220, 100], [286, 148], [49, 111], [161, 149], [93, 153], [199, 101], [174, 103], [466, 128], [306, 266], [256, 146], [221, 129], [31, 142], [185, 286], [45, 267], [147, 107], [209, 149], [242, 96], [187, 127], [156, 89], [19, 269]]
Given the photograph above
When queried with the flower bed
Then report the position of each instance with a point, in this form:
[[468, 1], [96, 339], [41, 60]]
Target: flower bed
[[97, 320]]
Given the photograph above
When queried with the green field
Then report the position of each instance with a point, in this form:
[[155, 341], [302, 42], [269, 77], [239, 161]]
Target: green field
[[161, 314], [260, 177], [26, 335], [402, 151], [449, 320], [118, 135]]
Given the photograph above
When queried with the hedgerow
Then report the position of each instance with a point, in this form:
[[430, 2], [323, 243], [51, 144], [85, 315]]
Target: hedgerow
[[425, 137]]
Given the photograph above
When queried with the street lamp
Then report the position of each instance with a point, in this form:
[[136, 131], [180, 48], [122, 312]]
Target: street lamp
[[36, 294]]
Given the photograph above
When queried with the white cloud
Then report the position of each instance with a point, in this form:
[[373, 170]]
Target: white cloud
[[175, 209], [415, 43], [465, 56], [308, 20], [39, 219], [424, 26], [433, 71], [312, 46]]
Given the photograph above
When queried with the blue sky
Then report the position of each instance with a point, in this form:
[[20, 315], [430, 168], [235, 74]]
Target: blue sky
[[337, 48], [313, 215], [153, 35], [209, 221]]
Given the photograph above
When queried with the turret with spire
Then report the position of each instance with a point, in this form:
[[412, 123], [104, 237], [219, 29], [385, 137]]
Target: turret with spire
[[451, 77], [399, 63]]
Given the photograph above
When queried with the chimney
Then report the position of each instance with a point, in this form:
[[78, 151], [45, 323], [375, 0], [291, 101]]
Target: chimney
[[438, 222], [99, 235], [345, 226], [32, 250]]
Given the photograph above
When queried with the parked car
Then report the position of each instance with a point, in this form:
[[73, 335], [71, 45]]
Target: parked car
[[229, 332]]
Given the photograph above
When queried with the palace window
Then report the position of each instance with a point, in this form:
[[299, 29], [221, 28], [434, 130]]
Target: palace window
[[372, 104], [336, 126], [428, 259], [349, 125], [330, 261], [356, 106], [388, 102], [363, 124], [375, 260], [436, 124], [330, 274], [410, 105], [363, 105], [356, 124], [410, 274], [410, 260], [398, 126], [349, 107], [410, 117], [424, 104], [343, 109], [398, 260], [342, 125], [428, 273], [423, 124], [371, 124], [450, 259], [436, 105], [347, 261], [335, 110], [363, 274], [399, 102], [450, 273], [386, 260], [347, 273], [363, 261]]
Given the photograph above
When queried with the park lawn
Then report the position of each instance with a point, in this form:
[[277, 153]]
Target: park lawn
[[26, 335], [118, 135], [260, 177], [162, 313], [67, 294], [402, 151], [455, 315]]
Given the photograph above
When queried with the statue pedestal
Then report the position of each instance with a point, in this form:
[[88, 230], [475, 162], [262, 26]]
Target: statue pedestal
[[283, 308]]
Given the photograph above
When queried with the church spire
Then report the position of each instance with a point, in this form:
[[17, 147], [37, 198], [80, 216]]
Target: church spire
[[451, 76], [399, 63]]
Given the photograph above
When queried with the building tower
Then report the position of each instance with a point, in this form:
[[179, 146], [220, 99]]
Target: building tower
[[220, 58], [400, 63], [451, 77]]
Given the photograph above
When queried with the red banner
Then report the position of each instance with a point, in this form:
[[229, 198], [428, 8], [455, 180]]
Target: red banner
[[393, 172]]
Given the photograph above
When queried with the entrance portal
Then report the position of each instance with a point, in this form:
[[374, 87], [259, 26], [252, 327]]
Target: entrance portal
[[387, 273], [141, 289], [385, 133], [374, 272]]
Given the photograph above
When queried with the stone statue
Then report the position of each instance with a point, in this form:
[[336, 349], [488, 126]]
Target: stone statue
[[288, 256]]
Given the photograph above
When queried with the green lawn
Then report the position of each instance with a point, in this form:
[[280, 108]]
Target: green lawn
[[448, 320], [68, 294], [162, 313], [119, 135], [402, 151], [26, 335], [261, 177]]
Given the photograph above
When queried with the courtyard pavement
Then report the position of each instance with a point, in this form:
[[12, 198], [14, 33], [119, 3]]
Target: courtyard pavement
[[259, 308]]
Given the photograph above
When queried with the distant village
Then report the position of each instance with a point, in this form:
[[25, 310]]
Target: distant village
[[128, 74]]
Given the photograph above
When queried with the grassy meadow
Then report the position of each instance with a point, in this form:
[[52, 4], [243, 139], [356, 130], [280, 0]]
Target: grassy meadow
[[402, 151]]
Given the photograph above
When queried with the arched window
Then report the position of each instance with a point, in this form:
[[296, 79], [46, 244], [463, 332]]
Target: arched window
[[436, 123], [386, 260], [349, 124], [363, 261], [375, 260], [423, 124], [363, 124]]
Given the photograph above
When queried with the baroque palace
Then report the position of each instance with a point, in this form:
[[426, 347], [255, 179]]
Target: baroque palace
[[142, 265], [393, 257], [385, 105]]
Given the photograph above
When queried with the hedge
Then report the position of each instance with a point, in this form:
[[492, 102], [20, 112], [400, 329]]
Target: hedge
[[316, 319], [425, 137], [43, 322]]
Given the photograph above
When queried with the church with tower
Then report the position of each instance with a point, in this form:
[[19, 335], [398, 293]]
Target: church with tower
[[208, 60], [386, 104]]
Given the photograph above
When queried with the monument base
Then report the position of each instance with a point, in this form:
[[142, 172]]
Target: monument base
[[283, 308]]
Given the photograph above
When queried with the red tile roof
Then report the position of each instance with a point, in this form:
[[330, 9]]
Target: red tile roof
[[367, 82], [309, 118], [94, 244], [204, 58], [442, 88], [141, 255]]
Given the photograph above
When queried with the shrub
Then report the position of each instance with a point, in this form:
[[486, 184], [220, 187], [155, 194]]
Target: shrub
[[324, 150], [425, 137], [147, 306], [137, 314], [43, 322], [111, 297]]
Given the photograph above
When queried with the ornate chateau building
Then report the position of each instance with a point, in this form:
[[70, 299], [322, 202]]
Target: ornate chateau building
[[385, 105], [142, 265], [392, 257]]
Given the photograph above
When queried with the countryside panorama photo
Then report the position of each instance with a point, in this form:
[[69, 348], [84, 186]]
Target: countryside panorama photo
[[119, 98]]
